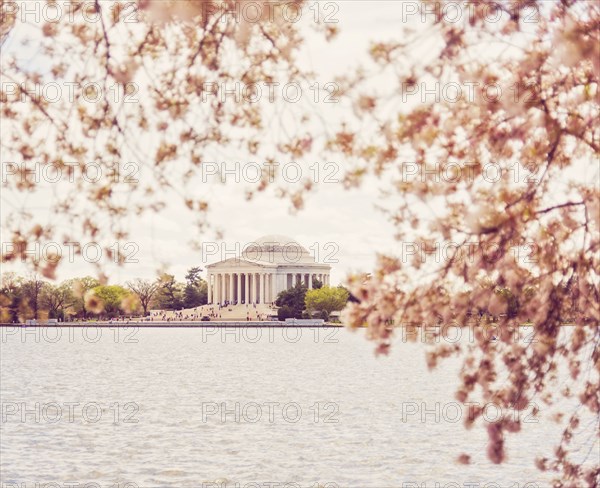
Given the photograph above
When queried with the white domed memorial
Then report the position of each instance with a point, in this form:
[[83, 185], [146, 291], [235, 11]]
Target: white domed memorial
[[265, 268]]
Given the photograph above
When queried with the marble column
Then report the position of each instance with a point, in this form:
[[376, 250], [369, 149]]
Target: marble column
[[251, 288], [264, 298], [209, 289], [267, 287], [215, 288], [223, 296], [273, 292], [222, 288], [247, 290], [255, 287], [214, 291], [261, 288], [267, 297]]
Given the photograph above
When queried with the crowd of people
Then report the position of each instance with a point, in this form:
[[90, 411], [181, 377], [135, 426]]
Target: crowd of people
[[211, 312]]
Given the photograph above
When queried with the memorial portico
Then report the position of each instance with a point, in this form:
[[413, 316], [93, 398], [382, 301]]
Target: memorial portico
[[265, 268]]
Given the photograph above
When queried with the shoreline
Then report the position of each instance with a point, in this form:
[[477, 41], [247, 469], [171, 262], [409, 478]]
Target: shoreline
[[178, 324]]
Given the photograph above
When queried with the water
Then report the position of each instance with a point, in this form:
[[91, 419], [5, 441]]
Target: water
[[157, 407]]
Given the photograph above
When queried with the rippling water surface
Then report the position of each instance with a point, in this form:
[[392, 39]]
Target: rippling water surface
[[184, 407]]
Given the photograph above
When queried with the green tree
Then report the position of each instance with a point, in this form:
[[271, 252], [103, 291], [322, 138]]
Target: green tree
[[196, 289], [11, 296], [112, 297], [195, 295], [286, 312], [32, 290], [193, 275], [57, 298], [291, 302], [326, 300], [79, 287], [170, 293]]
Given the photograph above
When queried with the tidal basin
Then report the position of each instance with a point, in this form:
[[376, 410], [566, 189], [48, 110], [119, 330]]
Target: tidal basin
[[303, 407]]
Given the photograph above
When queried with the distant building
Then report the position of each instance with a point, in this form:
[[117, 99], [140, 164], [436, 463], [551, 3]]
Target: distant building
[[266, 267]]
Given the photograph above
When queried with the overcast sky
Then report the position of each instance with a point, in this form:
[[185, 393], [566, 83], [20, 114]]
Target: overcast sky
[[339, 226]]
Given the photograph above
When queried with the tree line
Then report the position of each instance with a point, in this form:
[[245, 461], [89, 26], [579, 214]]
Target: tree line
[[320, 301], [32, 297]]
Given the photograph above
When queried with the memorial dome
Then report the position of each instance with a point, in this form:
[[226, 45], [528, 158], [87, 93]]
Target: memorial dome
[[277, 248]]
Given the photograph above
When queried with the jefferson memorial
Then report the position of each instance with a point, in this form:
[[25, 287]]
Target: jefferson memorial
[[265, 267]]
